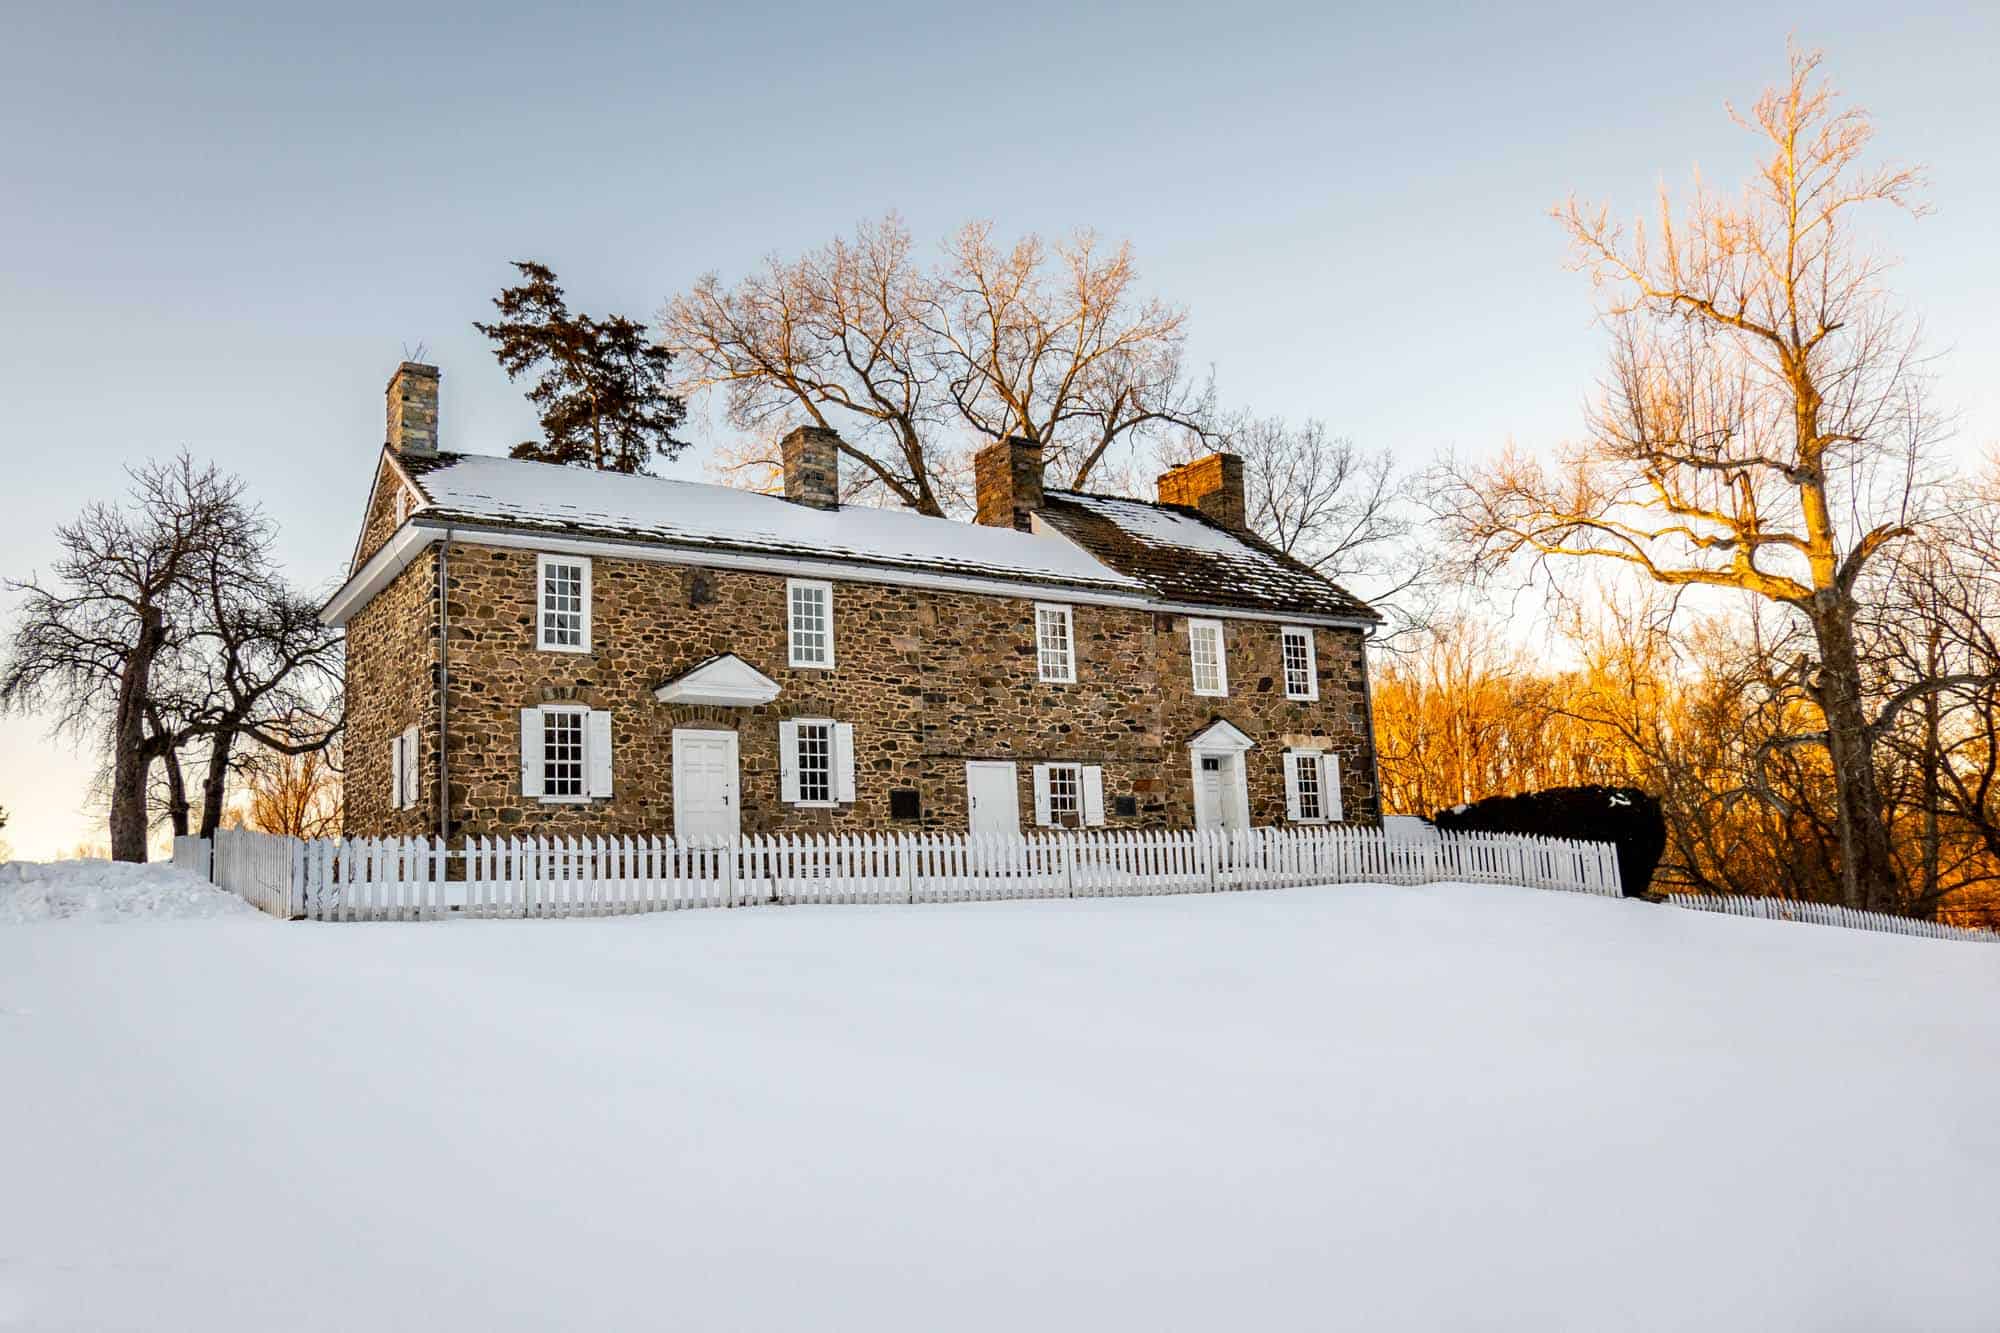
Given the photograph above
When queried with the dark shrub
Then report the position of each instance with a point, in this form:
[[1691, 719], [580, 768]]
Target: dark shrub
[[1624, 816]]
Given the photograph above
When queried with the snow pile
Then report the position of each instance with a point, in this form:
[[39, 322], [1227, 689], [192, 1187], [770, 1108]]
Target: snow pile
[[1449, 1107], [108, 891]]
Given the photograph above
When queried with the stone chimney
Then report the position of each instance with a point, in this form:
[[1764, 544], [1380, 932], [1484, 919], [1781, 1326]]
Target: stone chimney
[[413, 410], [1213, 484], [811, 456], [1009, 479]]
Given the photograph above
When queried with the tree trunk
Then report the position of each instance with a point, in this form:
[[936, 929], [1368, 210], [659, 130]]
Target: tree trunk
[[130, 759], [215, 784], [1867, 867], [177, 797]]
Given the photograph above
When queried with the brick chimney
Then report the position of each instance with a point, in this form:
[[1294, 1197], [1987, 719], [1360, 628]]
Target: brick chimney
[[413, 410], [1009, 479], [811, 458], [1212, 484]]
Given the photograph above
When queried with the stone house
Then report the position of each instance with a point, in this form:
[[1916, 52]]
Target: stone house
[[538, 650]]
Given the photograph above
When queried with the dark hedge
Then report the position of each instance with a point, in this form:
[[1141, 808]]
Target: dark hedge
[[1625, 816]]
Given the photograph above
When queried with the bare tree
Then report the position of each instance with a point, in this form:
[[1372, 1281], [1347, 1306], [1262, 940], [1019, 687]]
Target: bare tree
[[837, 337], [917, 366], [1054, 344], [1762, 423], [295, 794], [86, 646]]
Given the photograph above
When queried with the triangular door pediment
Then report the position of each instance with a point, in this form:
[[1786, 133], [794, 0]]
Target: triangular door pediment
[[727, 680], [1221, 735]]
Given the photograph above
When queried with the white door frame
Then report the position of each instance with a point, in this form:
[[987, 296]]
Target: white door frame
[[731, 796], [1013, 789], [1222, 741]]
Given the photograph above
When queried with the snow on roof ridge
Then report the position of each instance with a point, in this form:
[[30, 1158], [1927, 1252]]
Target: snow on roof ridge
[[529, 492]]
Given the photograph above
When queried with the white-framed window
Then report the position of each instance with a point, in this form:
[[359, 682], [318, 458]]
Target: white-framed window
[[1301, 662], [1312, 787], [1055, 643], [565, 753], [815, 761], [1211, 672], [809, 622], [405, 786], [562, 753], [562, 603], [403, 503], [1069, 795]]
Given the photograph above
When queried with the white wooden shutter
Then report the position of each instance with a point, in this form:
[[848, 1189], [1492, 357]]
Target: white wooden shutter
[[843, 761], [1093, 795], [1329, 786], [1042, 794], [1293, 759], [531, 752], [396, 773], [788, 762], [412, 782], [597, 752]]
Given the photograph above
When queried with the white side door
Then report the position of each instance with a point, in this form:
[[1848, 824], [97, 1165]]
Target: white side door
[[705, 803], [1208, 791], [992, 797]]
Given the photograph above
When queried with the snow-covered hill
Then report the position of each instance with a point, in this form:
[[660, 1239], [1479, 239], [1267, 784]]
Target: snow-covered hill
[[1357, 1107]]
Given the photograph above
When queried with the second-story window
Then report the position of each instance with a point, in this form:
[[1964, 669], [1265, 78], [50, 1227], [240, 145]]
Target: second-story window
[[562, 620], [1211, 673], [1301, 666], [809, 622], [1055, 643]]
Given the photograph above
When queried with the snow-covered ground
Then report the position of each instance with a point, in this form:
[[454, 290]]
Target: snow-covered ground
[[1357, 1107]]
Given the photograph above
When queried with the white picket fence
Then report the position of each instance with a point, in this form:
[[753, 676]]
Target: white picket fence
[[420, 879], [1827, 914]]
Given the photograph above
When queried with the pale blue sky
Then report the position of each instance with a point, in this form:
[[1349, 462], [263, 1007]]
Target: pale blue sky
[[221, 225]]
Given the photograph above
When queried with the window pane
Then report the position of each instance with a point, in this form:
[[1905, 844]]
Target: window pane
[[1206, 646], [815, 761], [1307, 768], [1298, 665], [1052, 641], [810, 630], [562, 753], [1066, 795], [562, 605]]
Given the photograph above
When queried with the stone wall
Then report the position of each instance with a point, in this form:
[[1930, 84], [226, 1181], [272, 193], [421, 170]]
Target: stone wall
[[391, 649], [928, 679], [381, 520]]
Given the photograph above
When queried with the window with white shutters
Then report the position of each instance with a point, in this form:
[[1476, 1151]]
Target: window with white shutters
[[809, 622], [1301, 664], [815, 761], [1211, 673], [562, 598], [1055, 643], [1312, 787]]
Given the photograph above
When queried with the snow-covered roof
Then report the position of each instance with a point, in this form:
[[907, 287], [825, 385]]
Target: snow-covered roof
[[1183, 556], [517, 493]]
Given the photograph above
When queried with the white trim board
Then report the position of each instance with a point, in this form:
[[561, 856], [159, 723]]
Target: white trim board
[[395, 555]]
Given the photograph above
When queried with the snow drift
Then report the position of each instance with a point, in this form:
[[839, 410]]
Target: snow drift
[[108, 891]]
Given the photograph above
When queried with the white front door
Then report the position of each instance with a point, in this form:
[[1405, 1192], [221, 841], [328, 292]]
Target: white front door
[[1220, 796], [992, 797], [705, 804]]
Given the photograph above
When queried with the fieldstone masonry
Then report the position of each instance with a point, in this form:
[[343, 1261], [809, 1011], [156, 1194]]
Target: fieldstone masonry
[[928, 679]]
